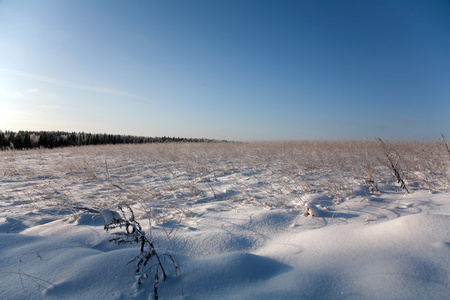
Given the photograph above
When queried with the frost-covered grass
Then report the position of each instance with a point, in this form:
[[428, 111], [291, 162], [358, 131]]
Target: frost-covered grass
[[236, 217]]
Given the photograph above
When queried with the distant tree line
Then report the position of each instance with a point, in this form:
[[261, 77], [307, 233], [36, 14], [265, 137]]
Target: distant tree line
[[52, 139]]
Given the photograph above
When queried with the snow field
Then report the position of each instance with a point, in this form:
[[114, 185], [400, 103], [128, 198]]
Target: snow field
[[233, 217]]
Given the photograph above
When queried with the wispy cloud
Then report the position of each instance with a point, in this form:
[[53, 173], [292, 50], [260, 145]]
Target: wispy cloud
[[17, 95], [49, 107], [73, 85]]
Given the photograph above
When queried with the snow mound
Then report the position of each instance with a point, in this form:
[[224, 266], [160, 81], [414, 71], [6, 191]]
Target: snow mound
[[89, 220], [230, 275], [312, 210], [109, 215], [406, 258]]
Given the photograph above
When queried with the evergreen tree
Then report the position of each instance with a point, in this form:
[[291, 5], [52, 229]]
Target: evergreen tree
[[43, 140], [27, 140], [3, 141]]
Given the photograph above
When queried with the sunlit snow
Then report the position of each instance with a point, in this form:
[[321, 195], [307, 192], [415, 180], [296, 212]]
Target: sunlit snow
[[242, 221]]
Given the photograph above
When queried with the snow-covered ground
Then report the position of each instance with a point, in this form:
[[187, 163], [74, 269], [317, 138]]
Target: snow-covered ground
[[306, 220]]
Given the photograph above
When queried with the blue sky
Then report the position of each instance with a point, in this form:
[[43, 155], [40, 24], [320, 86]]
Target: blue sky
[[236, 70]]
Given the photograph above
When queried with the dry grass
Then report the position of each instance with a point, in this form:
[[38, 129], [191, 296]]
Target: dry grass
[[161, 177]]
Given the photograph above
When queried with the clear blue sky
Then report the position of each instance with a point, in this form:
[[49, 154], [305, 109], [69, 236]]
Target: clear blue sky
[[237, 70]]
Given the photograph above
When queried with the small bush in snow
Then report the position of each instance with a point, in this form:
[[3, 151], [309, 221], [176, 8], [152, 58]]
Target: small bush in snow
[[393, 158], [134, 234]]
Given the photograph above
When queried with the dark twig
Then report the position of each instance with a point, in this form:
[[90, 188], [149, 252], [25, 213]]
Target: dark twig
[[391, 164], [445, 143]]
